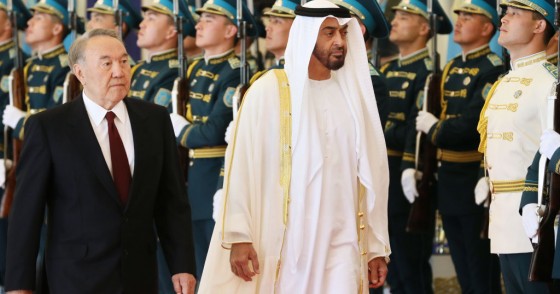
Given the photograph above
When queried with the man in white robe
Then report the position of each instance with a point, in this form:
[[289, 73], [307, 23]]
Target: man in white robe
[[306, 176]]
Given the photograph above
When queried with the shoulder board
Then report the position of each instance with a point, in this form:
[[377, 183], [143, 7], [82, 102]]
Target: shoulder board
[[63, 58], [551, 68], [372, 70], [173, 63], [429, 64], [234, 63], [12, 53], [494, 59]]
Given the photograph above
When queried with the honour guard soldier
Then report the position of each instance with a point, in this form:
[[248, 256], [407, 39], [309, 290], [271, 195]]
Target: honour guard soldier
[[373, 25], [8, 51], [410, 270], [467, 80], [46, 71], [152, 79], [213, 81], [102, 16], [510, 125], [280, 19]]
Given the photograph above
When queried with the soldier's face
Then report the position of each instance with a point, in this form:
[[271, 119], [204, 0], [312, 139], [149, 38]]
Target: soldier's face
[[41, 28], [330, 49], [277, 32], [472, 29], [101, 21], [407, 27], [518, 28], [214, 31], [155, 29], [105, 71]]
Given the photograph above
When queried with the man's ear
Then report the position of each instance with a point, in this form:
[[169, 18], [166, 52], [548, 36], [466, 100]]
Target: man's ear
[[79, 73], [487, 29], [57, 29], [540, 27], [231, 31], [171, 33], [424, 28]]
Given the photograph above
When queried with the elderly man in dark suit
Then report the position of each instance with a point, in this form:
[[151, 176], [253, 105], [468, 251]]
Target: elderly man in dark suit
[[106, 168]]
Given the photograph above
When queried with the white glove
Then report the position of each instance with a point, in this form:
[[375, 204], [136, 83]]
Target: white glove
[[229, 131], [11, 116], [530, 219], [178, 122], [425, 121], [481, 191], [217, 204], [550, 141], [408, 182]]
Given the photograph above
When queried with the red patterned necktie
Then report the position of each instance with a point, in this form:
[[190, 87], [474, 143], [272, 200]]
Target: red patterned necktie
[[121, 169]]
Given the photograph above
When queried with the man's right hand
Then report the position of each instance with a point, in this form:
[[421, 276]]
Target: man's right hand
[[12, 116], [408, 182], [530, 219], [481, 191], [241, 254]]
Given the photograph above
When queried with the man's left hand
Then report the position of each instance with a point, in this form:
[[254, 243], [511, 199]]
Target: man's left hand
[[183, 283], [377, 272], [425, 121]]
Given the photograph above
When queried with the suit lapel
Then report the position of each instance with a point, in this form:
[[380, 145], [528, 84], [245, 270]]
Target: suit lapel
[[84, 138]]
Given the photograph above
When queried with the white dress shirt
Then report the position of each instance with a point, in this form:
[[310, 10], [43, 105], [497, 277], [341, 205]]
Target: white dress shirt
[[96, 116]]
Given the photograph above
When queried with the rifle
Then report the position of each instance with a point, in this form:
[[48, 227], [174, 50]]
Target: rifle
[[244, 68], [118, 18], [542, 259], [72, 86], [17, 97], [180, 91], [419, 219]]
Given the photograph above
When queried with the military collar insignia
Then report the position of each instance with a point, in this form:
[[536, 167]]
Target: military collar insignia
[[476, 53], [528, 60], [7, 45], [51, 52], [411, 58]]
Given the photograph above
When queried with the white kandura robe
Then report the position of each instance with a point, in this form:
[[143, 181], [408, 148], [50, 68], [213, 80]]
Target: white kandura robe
[[330, 256], [253, 196]]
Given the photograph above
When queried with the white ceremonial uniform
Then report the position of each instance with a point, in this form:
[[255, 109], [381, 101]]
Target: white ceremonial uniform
[[513, 120]]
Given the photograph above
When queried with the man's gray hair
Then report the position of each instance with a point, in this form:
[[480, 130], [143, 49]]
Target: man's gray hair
[[76, 53]]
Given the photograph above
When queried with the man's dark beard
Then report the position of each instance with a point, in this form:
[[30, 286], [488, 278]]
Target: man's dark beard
[[323, 57]]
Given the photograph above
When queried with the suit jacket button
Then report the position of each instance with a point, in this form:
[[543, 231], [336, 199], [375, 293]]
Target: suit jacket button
[[125, 252]]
